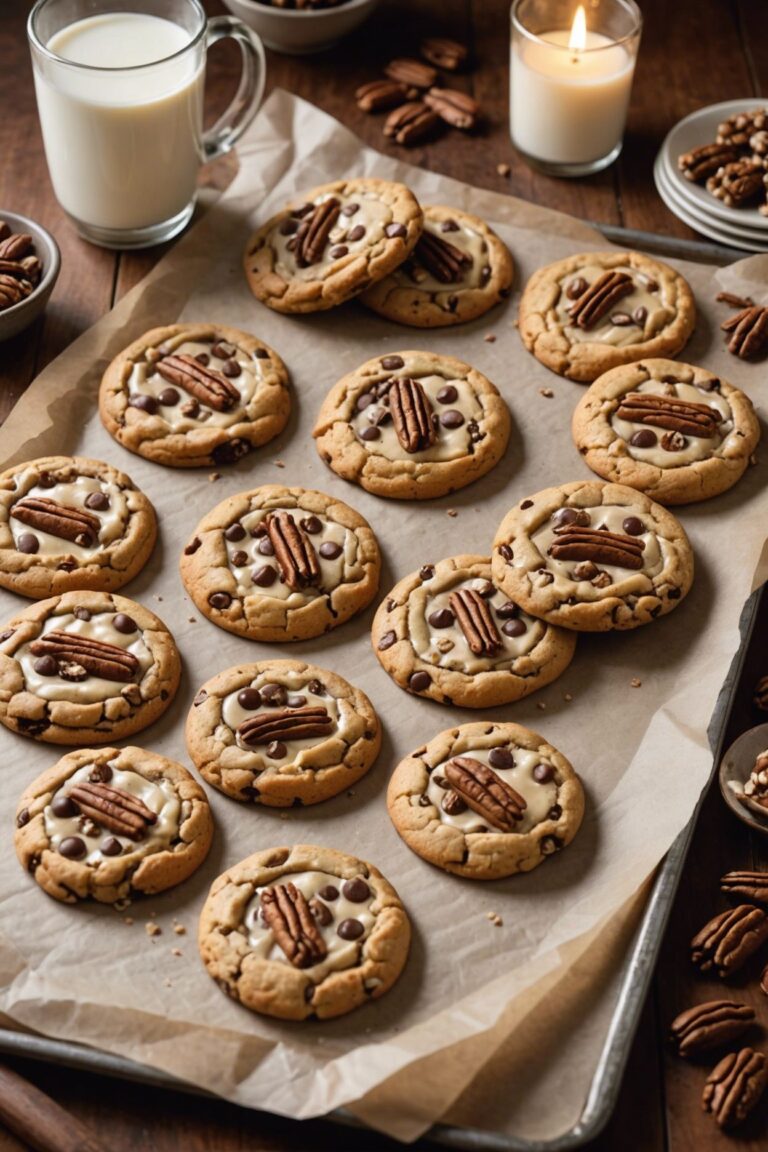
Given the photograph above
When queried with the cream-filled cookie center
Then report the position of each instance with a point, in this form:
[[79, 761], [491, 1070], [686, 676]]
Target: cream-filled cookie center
[[456, 413], [104, 509], [667, 448], [360, 226], [634, 318], [540, 795]]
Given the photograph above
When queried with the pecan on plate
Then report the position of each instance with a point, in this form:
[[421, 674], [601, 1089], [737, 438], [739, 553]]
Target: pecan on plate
[[410, 123], [575, 543], [107, 661], [485, 792], [379, 95], [727, 941], [411, 414], [447, 54], [748, 331], [443, 260], [684, 416], [314, 231], [286, 724], [205, 384], [737, 184], [752, 885], [12, 290], [411, 72], [476, 622], [294, 551], [287, 913], [457, 108], [734, 1087], [700, 163], [114, 808], [599, 297], [709, 1025], [737, 129], [57, 520]]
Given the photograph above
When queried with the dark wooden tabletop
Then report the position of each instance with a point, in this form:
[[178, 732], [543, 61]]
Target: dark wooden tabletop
[[693, 53]]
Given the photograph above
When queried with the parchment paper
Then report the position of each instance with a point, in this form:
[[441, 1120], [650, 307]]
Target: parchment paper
[[493, 1026]]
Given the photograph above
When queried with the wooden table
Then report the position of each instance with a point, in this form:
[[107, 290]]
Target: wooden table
[[694, 52]]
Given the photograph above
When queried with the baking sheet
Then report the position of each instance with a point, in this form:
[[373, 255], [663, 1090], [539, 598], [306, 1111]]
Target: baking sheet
[[471, 992]]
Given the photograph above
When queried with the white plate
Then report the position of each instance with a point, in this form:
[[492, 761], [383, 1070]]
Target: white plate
[[713, 231], [694, 131], [756, 241]]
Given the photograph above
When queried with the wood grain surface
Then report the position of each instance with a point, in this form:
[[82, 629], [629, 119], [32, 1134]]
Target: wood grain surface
[[694, 52]]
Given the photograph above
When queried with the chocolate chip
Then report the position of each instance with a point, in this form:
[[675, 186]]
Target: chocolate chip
[[193, 546], [364, 400], [419, 681], [100, 774], [424, 801], [223, 351], [543, 773], [443, 618], [426, 572], [485, 589], [448, 394], [514, 627], [316, 687], [350, 929], [144, 403], [190, 408], [620, 319], [651, 284], [387, 640], [265, 576], [452, 418], [288, 226], [265, 547], [66, 566], [644, 438], [526, 504], [640, 315], [111, 847], [64, 807], [710, 385], [97, 501], [232, 369], [45, 666], [274, 694], [220, 600], [312, 525], [239, 559], [23, 818], [169, 397], [576, 288], [395, 230], [322, 914], [356, 233], [633, 526], [392, 362], [555, 812], [249, 698], [449, 226], [201, 698], [371, 433], [338, 251], [549, 845], [234, 533], [277, 750], [72, 847], [453, 804], [82, 614], [441, 782], [485, 274], [356, 890], [46, 480], [28, 543], [330, 550], [508, 610], [329, 892], [203, 358], [673, 594], [125, 624], [349, 209], [6, 635], [501, 758], [296, 701], [261, 354], [231, 450], [571, 516], [505, 551]]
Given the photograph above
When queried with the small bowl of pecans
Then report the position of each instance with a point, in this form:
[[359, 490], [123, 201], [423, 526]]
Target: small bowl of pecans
[[29, 265], [299, 27], [744, 778]]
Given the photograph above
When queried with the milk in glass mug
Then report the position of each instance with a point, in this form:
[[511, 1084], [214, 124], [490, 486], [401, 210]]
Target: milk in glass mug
[[119, 88]]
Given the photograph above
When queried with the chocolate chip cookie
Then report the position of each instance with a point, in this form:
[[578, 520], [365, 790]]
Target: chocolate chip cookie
[[68, 523], [332, 244], [592, 556], [486, 800], [107, 823], [588, 313], [671, 430], [282, 732], [412, 425], [280, 564], [447, 632], [458, 270], [85, 668], [189, 395], [303, 931]]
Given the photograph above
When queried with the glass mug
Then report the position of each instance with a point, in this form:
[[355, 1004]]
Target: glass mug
[[119, 87]]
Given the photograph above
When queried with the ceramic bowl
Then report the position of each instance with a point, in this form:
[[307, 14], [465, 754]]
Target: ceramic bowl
[[298, 33], [14, 319], [735, 768]]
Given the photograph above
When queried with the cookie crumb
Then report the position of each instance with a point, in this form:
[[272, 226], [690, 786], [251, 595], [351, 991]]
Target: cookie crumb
[[279, 463], [191, 620], [213, 477], [176, 952], [491, 915], [635, 683], [497, 921], [451, 512], [350, 793], [121, 905], [503, 169], [489, 338], [283, 815], [541, 706], [159, 599], [753, 460], [127, 919], [152, 929], [179, 929], [567, 697], [546, 392], [168, 983]]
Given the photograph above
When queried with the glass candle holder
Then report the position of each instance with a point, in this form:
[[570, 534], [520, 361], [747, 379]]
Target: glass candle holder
[[571, 69]]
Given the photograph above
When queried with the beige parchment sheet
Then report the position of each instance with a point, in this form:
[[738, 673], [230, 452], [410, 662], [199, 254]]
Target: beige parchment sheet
[[498, 1027]]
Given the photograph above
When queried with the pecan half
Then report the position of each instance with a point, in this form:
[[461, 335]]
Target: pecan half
[[205, 384], [382, 94], [444, 261], [107, 661], [748, 331], [737, 183], [485, 792], [57, 520], [575, 543], [709, 1025], [684, 416], [287, 913], [13, 290], [476, 622], [412, 72], [410, 123], [294, 551], [314, 230], [728, 940], [411, 414], [701, 162], [597, 300], [456, 108], [286, 724], [752, 885], [15, 246], [734, 1087], [737, 129], [114, 808], [447, 54]]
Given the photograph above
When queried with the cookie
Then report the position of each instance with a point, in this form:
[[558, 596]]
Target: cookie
[[486, 800], [412, 425], [189, 395], [303, 931], [280, 564], [85, 668], [588, 313], [458, 270], [592, 556], [332, 244], [107, 823], [282, 732], [446, 632], [671, 430], [70, 523]]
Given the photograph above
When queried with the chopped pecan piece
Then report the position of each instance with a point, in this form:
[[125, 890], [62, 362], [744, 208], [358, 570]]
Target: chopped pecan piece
[[737, 184], [447, 54], [411, 414], [457, 108], [709, 1025], [752, 885], [294, 551], [287, 724], [205, 384], [599, 298], [411, 72], [114, 808], [575, 543], [476, 622], [728, 940], [485, 792], [702, 162], [685, 416], [734, 1087], [748, 331], [382, 94], [107, 661], [444, 261], [314, 230], [57, 520], [410, 123], [289, 916]]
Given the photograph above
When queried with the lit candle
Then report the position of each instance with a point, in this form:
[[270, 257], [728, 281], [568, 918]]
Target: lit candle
[[570, 86]]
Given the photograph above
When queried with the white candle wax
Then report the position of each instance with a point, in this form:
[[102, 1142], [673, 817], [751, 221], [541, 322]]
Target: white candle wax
[[569, 107]]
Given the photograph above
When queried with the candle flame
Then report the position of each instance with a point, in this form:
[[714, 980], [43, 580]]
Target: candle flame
[[578, 40]]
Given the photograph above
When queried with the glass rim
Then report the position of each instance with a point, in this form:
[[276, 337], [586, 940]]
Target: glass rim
[[629, 5], [40, 47]]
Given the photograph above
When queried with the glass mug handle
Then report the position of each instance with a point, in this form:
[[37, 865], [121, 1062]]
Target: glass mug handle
[[232, 123]]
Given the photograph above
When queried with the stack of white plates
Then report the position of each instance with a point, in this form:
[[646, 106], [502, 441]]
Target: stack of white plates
[[744, 228]]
